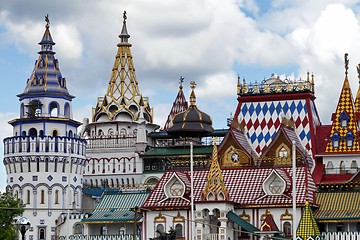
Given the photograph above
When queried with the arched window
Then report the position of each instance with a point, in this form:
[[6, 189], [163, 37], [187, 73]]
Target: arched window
[[32, 132], [29, 164], [122, 230], [38, 164], [67, 110], [41, 234], [28, 197], [283, 153], [55, 164], [42, 197], [354, 164], [46, 164], [104, 230], [159, 229], [179, 230], [329, 165], [53, 109], [55, 133], [342, 167], [56, 196], [78, 228], [287, 229]]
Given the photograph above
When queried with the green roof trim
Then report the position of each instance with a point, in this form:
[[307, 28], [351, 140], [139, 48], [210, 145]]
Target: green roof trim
[[173, 151], [117, 207], [241, 222]]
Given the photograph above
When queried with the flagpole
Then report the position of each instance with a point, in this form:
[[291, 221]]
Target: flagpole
[[192, 191], [294, 188]]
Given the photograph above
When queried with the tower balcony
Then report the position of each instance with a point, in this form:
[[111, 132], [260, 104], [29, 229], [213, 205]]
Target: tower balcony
[[27, 144], [114, 141]]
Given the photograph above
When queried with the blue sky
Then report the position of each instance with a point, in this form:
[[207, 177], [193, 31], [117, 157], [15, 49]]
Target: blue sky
[[204, 41]]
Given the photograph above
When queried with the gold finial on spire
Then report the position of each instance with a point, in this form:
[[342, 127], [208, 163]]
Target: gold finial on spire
[[346, 63], [181, 80], [238, 85], [308, 76], [192, 95], [358, 70], [47, 20], [124, 17]]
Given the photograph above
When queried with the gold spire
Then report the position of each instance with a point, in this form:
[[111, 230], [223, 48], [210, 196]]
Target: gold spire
[[215, 188], [123, 94]]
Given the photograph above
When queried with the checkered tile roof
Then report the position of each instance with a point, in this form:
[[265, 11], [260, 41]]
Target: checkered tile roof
[[262, 119], [345, 105], [307, 226], [244, 186]]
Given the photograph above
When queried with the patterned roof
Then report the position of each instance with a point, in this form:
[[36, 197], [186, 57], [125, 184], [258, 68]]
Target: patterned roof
[[245, 187], [215, 189], [307, 226], [179, 105], [191, 122], [261, 117], [241, 139], [345, 106], [46, 77], [117, 207], [342, 206], [123, 94]]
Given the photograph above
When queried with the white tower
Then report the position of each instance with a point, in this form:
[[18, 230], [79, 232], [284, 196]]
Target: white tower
[[44, 156]]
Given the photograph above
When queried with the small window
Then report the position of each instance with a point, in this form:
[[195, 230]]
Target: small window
[[336, 143], [179, 230], [56, 196], [42, 234], [78, 228], [28, 197], [344, 123], [354, 164], [276, 186], [176, 189], [42, 197], [283, 153], [287, 229]]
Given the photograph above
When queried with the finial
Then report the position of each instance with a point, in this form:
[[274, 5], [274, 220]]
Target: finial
[[192, 95], [308, 76], [346, 63], [192, 85], [47, 20], [181, 80], [124, 17], [214, 140], [358, 70]]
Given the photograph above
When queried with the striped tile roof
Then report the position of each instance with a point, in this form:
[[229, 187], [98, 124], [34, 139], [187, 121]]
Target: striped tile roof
[[245, 187], [342, 206], [179, 105], [116, 207]]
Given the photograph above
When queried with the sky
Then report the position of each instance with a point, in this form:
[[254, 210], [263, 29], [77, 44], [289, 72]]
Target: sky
[[210, 42]]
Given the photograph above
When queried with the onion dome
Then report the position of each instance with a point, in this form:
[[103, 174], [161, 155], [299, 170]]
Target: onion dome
[[46, 77], [192, 122]]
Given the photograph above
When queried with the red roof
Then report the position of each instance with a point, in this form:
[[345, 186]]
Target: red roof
[[245, 187]]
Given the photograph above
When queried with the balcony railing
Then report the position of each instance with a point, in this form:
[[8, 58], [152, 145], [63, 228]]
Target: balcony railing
[[100, 237], [111, 142]]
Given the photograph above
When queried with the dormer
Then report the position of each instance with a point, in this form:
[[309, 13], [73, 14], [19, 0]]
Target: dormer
[[335, 138], [349, 137], [274, 184], [344, 119], [175, 187]]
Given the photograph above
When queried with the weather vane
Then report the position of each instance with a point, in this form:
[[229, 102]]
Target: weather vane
[[181, 80], [47, 19], [346, 63], [192, 85], [124, 16]]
